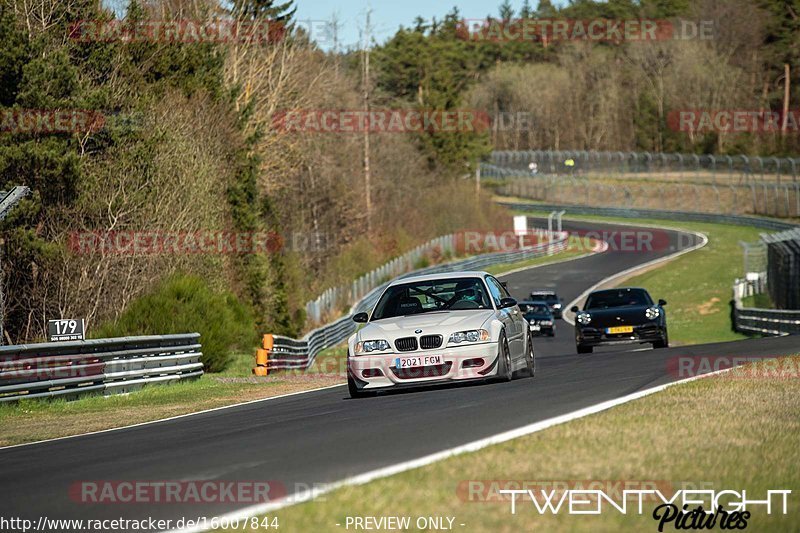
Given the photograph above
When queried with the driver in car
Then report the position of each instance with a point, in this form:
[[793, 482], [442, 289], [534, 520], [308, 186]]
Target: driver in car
[[466, 291]]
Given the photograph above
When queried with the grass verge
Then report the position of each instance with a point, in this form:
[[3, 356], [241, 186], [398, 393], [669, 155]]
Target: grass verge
[[759, 301], [33, 420], [735, 433]]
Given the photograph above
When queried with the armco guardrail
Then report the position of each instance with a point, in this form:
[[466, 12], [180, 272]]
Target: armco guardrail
[[336, 298], [702, 183], [771, 322], [109, 366], [287, 353], [659, 214], [783, 267]]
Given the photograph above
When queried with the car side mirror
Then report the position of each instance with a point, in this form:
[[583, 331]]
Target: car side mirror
[[662, 303], [574, 309], [361, 318], [507, 302]]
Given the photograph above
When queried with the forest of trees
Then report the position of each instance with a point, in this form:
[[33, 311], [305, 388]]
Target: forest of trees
[[189, 144], [591, 95]]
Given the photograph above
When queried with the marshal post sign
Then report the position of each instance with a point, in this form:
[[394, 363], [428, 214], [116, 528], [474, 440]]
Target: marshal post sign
[[66, 329]]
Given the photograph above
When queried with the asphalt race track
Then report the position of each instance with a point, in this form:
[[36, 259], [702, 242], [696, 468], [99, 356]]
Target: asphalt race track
[[324, 436]]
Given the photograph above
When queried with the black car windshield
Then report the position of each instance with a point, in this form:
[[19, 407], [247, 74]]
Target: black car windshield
[[547, 297], [618, 298], [534, 309], [434, 295]]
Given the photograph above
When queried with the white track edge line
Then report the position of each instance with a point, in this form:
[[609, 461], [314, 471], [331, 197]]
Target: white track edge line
[[499, 438], [185, 415]]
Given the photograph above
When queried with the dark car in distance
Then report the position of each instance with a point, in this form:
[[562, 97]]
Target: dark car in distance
[[540, 319], [620, 316], [555, 303]]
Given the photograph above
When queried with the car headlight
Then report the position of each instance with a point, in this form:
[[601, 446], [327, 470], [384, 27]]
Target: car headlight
[[556, 306], [473, 335], [546, 322], [584, 318], [372, 346], [652, 313]]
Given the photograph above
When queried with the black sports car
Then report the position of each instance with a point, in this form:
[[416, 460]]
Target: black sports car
[[620, 316], [555, 303], [540, 319]]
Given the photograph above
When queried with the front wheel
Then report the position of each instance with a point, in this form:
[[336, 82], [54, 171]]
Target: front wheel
[[504, 372], [530, 360], [663, 343]]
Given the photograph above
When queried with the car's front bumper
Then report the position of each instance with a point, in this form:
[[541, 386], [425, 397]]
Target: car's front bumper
[[590, 336], [375, 372]]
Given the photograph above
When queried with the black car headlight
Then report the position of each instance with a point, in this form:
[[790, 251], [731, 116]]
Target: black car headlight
[[584, 318], [372, 346], [652, 313]]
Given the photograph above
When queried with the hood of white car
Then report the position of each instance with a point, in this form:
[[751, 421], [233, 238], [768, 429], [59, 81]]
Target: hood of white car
[[431, 323]]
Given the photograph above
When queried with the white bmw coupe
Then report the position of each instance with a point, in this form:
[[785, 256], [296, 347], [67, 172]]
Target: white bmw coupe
[[439, 328]]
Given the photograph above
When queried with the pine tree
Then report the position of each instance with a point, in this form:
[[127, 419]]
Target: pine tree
[[545, 10], [506, 11], [526, 11], [264, 9]]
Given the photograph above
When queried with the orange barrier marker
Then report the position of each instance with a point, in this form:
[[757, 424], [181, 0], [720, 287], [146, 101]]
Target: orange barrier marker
[[262, 356]]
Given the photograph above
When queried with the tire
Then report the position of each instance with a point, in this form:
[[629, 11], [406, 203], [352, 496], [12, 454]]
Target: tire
[[530, 360], [504, 372], [584, 349], [664, 343]]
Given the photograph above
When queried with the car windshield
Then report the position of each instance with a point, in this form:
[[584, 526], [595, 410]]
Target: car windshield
[[534, 309], [547, 297], [618, 298], [434, 295]]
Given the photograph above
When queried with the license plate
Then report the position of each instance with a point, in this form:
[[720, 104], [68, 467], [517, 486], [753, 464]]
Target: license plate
[[535, 327], [619, 329], [421, 360]]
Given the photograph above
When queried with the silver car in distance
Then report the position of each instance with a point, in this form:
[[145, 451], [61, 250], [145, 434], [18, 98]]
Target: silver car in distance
[[439, 328]]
